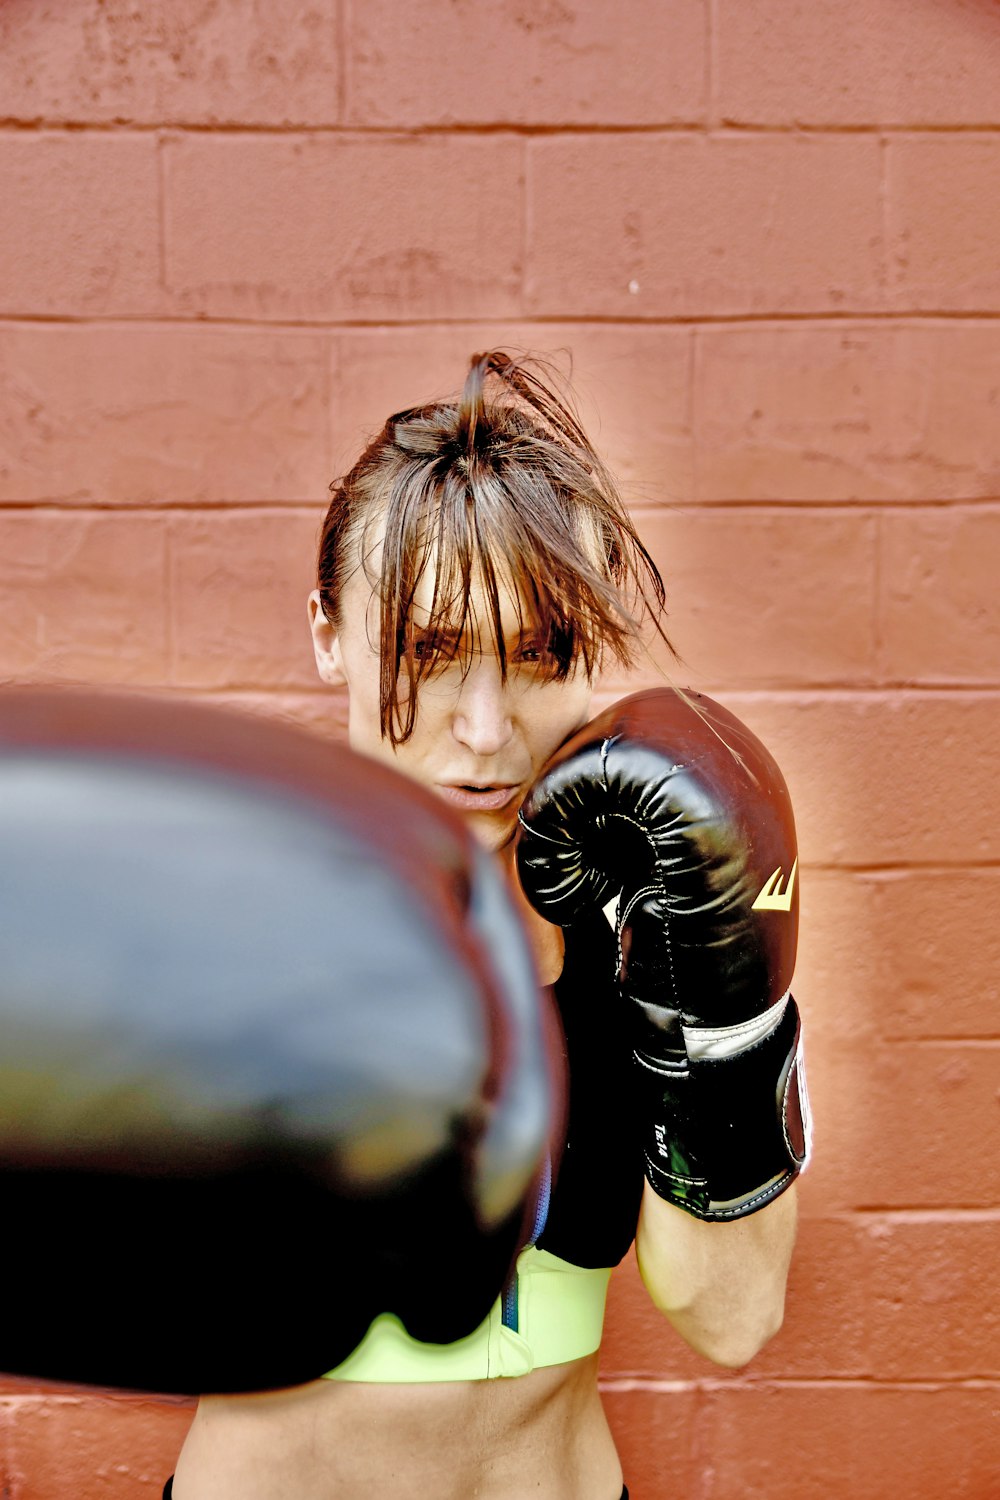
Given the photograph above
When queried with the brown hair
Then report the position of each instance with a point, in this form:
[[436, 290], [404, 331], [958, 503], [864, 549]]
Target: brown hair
[[500, 486]]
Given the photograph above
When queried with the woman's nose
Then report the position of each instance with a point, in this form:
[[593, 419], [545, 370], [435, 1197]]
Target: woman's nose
[[482, 718]]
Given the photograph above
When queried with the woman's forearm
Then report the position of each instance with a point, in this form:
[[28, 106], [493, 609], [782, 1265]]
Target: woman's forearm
[[722, 1286]]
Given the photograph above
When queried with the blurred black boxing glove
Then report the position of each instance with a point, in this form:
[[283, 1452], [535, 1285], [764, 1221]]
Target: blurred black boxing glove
[[271, 1051], [681, 813]]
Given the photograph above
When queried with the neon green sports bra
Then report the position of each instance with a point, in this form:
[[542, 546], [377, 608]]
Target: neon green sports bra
[[559, 1317]]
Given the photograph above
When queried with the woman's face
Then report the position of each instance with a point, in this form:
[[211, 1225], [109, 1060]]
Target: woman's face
[[478, 742]]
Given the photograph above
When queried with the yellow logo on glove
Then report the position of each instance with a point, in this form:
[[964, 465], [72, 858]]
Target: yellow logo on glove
[[772, 897]]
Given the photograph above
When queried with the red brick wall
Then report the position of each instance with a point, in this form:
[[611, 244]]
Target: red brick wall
[[234, 236]]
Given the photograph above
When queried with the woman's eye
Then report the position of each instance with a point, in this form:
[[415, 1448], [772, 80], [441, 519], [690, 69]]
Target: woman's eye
[[532, 653], [438, 650], [424, 646]]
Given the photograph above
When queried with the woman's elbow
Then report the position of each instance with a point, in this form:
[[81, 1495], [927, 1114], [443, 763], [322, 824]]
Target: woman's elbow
[[735, 1348], [734, 1341]]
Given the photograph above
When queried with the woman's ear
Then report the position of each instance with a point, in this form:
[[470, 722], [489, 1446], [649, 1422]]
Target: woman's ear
[[326, 643]]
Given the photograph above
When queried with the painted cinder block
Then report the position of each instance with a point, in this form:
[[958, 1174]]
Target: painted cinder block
[[930, 984], [83, 597], [868, 411], [838, 970], [938, 612], [911, 1125], [753, 601], [886, 778], [88, 1444], [933, 1297], [552, 64], [112, 61], [79, 234], [314, 226], [653, 1431], [379, 371], [682, 225], [631, 385], [840, 1085], [238, 587], [812, 1440], [151, 415], [895, 1101], [826, 1333], [943, 217], [322, 712], [856, 62]]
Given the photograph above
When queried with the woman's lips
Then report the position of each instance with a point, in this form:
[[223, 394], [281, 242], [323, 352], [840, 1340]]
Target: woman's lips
[[478, 799]]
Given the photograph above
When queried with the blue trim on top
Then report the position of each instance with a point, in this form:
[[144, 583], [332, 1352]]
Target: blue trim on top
[[509, 1295], [544, 1198]]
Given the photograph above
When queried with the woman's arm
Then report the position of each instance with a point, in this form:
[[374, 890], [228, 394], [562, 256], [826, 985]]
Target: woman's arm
[[721, 1285], [673, 804]]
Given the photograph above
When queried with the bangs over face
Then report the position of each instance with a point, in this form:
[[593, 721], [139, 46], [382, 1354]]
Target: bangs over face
[[460, 507]]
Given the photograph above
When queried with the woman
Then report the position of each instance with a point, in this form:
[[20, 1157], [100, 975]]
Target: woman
[[476, 570]]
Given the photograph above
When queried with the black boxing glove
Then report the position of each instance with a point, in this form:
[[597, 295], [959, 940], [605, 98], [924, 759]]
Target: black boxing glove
[[270, 1044], [677, 809]]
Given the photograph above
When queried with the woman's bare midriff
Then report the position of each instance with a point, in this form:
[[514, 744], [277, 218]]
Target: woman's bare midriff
[[543, 1435]]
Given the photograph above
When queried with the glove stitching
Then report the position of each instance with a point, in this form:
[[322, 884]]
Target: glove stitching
[[535, 833], [623, 917], [674, 1176], [742, 1209], [717, 1034], [649, 890], [662, 1070], [784, 1110], [739, 1028], [763, 1196], [640, 895]]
